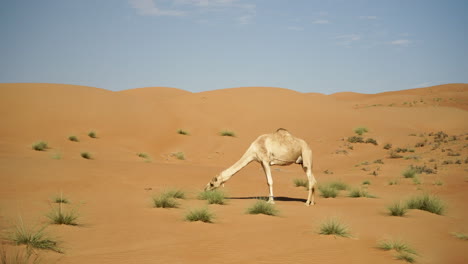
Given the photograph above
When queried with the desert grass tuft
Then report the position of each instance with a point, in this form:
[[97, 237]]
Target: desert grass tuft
[[22, 256], [333, 226], [326, 191], [361, 130], [338, 185], [360, 192], [33, 238], [40, 146], [301, 182], [202, 214], [227, 133], [262, 207], [60, 199], [366, 182], [179, 155], [405, 256], [164, 201], [143, 155], [73, 138], [405, 252], [183, 132], [213, 197], [397, 209], [86, 155], [427, 202], [92, 134], [59, 216], [409, 173], [461, 236]]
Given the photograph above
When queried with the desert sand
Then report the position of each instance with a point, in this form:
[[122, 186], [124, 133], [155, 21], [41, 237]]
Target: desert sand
[[112, 192]]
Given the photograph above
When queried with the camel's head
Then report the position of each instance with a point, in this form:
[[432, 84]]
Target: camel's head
[[213, 184]]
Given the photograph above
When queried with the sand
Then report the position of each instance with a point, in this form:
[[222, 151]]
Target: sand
[[113, 191]]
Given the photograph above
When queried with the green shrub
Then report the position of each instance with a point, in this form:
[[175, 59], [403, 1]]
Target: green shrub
[[213, 197], [301, 182], [92, 134], [409, 173], [21, 256], [61, 199], [360, 130], [397, 209], [183, 132], [461, 236], [338, 185], [371, 141], [226, 133], [40, 146], [33, 238], [86, 155], [179, 155], [404, 251], [175, 193], [60, 217], [355, 139], [164, 201], [143, 155], [203, 215], [327, 191], [387, 146], [73, 138], [333, 227], [359, 192], [427, 202], [366, 182], [262, 207]]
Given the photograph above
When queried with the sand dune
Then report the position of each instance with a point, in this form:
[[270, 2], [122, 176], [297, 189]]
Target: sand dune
[[112, 192]]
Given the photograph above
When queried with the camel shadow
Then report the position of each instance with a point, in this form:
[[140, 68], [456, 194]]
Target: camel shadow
[[277, 198]]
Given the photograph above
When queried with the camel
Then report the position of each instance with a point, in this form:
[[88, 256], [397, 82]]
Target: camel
[[279, 148]]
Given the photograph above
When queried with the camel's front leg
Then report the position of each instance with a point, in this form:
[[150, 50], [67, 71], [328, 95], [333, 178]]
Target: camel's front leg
[[266, 168]]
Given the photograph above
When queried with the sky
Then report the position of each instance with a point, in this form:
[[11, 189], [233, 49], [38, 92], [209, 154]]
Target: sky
[[324, 46]]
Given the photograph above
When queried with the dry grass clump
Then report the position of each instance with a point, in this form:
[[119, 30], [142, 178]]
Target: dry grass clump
[[361, 130], [331, 189], [397, 209], [40, 146], [32, 238], [203, 215], [227, 133], [22, 256], [461, 236], [183, 132], [92, 134], [409, 173], [59, 216], [427, 202], [168, 198], [360, 192], [73, 138], [179, 155], [86, 155], [262, 207], [404, 251], [333, 226], [213, 197], [301, 182]]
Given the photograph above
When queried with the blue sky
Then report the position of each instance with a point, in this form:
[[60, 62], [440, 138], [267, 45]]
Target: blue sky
[[325, 46]]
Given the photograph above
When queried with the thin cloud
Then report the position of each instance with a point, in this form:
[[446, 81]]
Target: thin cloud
[[347, 39], [401, 42], [321, 21], [149, 8], [368, 17], [295, 28]]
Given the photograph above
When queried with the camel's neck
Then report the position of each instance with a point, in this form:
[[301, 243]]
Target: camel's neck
[[229, 172]]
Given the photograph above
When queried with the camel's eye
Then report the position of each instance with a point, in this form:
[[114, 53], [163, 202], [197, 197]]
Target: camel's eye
[[211, 184]]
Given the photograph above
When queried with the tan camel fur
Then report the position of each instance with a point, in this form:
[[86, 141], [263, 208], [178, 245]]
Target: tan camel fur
[[279, 148]]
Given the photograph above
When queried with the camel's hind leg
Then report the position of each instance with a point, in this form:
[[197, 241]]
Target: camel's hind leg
[[266, 168]]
